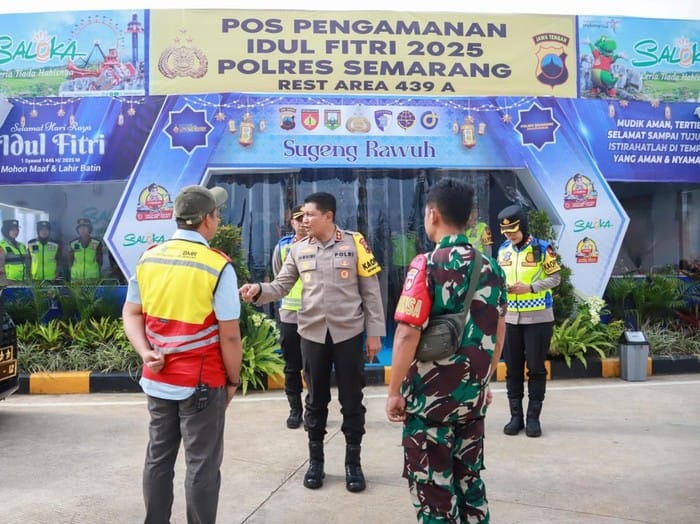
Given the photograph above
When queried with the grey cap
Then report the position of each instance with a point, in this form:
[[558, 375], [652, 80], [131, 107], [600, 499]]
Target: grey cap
[[194, 202]]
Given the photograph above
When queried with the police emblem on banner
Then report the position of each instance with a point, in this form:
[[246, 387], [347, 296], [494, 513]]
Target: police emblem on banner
[[309, 119], [383, 118], [181, 60], [551, 56], [287, 118], [331, 118]]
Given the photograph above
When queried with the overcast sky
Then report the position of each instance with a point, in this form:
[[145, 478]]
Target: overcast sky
[[683, 9]]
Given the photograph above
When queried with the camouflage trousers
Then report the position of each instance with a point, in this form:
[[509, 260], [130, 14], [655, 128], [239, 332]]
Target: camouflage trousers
[[443, 466]]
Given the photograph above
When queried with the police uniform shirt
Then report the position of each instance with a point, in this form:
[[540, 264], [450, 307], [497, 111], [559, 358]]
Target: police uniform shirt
[[335, 298]]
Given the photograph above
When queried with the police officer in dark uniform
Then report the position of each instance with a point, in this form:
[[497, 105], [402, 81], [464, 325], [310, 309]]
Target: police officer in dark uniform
[[532, 270]]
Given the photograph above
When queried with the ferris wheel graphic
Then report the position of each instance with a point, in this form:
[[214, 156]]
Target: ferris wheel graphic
[[105, 67], [103, 32]]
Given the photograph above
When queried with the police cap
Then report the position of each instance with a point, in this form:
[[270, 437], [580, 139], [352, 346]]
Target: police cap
[[511, 219]]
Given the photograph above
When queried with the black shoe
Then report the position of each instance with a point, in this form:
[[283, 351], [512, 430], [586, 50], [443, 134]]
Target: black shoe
[[516, 423], [294, 418], [533, 427], [314, 475], [354, 478]]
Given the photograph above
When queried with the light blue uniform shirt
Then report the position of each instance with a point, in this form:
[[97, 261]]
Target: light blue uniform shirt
[[226, 305]]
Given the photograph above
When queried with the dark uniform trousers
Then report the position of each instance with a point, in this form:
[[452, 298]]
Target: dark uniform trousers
[[348, 359], [202, 435], [290, 341], [527, 343]]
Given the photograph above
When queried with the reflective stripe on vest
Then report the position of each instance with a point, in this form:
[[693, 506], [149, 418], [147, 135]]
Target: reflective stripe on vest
[[520, 269], [291, 302], [15, 260], [44, 265], [85, 264], [177, 281]]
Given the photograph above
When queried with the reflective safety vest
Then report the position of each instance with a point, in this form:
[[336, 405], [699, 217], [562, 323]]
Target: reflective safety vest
[[44, 263], [527, 267], [177, 281], [85, 266], [291, 302], [15, 260], [479, 236], [403, 248]]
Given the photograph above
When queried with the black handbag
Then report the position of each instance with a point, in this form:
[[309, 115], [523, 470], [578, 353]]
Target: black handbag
[[443, 335]]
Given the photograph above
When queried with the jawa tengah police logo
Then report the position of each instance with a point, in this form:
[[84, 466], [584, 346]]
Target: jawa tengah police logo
[[551, 58], [579, 193], [287, 118], [331, 118], [309, 119], [183, 60], [154, 204], [383, 118], [586, 251]]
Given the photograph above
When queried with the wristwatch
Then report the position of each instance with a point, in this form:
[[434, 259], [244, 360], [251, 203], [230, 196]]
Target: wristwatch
[[234, 384]]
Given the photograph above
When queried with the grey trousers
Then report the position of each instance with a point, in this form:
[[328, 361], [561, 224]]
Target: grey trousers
[[202, 436]]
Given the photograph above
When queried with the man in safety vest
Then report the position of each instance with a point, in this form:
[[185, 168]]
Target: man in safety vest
[[84, 253], [44, 252], [532, 270], [290, 341], [479, 233], [341, 302], [14, 260], [181, 315]]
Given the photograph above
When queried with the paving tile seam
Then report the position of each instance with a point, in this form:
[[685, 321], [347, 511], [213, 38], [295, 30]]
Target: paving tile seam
[[569, 511]]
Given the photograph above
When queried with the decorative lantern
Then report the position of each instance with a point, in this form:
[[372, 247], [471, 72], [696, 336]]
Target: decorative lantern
[[468, 138], [245, 138]]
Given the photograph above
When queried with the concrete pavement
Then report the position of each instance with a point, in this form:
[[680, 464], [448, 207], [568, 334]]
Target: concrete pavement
[[612, 452]]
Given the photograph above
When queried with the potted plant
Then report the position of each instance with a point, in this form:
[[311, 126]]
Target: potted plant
[[581, 336]]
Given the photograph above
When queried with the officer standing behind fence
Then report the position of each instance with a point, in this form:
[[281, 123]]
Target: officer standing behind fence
[[45, 253], [85, 254], [14, 259], [532, 270], [341, 300]]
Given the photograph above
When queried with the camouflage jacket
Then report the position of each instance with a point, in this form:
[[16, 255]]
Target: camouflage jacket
[[451, 390]]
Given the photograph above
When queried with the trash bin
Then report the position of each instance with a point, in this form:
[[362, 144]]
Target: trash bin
[[634, 354]]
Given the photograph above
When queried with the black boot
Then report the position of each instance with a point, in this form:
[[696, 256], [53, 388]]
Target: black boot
[[314, 475], [516, 423], [354, 478], [295, 411], [533, 428]]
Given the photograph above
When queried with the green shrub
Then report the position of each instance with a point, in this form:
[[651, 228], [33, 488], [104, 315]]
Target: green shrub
[[564, 294], [577, 336], [261, 357], [101, 346]]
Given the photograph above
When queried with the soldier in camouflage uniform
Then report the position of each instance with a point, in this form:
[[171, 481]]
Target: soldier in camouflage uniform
[[443, 403]]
